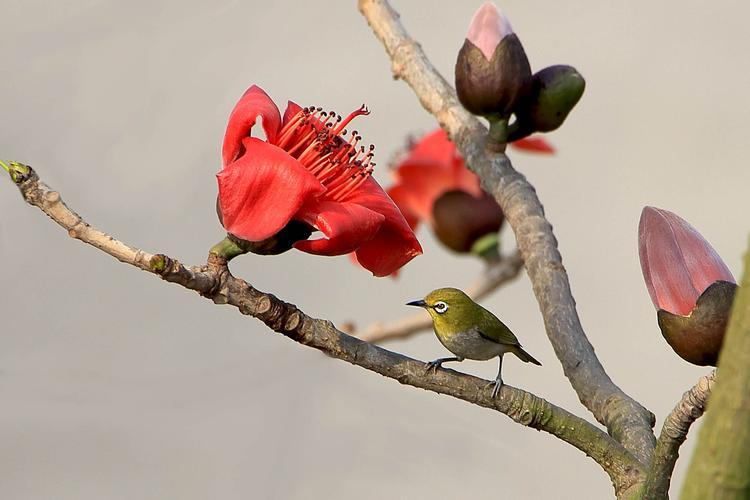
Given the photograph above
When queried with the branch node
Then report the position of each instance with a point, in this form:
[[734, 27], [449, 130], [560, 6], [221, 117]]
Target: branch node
[[158, 263], [293, 321], [52, 197], [264, 305]]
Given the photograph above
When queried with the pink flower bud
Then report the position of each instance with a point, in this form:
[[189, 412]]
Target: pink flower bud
[[678, 263], [492, 70], [689, 284], [487, 28]]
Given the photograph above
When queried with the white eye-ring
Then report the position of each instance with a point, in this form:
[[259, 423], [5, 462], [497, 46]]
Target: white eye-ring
[[440, 307]]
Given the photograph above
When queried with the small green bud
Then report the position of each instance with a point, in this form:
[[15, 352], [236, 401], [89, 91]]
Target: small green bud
[[18, 171], [492, 69], [554, 92]]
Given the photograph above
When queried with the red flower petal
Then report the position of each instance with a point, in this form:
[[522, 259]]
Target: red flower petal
[[678, 264], [403, 199], [292, 108], [424, 183], [253, 103], [534, 144], [434, 147], [347, 226], [432, 168], [394, 244], [262, 190]]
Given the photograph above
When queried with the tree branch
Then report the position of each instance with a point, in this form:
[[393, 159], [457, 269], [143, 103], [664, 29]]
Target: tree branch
[[495, 274], [720, 466], [673, 433], [214, 281], [626, 420]]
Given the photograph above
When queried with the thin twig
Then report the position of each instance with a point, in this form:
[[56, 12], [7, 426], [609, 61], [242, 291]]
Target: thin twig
[[673, 433], [626, 419], [494, 275], [215, 282]]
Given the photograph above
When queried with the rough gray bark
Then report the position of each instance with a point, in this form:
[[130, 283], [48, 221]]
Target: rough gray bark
[[720, 467], [673, 433]]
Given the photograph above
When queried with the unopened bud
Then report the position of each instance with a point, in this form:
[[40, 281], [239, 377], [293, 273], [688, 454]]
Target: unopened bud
[[554, 92], [460, 219], [689, 284], [492, 69]]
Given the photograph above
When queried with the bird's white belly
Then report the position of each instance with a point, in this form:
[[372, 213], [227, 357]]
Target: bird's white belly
[[471, 345]]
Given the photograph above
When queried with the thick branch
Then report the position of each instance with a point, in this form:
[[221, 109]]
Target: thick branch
[[673, 434], [720, 467], [215, 282], [626, 420], [495, 274]]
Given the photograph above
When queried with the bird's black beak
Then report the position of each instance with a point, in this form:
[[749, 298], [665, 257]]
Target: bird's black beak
[[418, 303]]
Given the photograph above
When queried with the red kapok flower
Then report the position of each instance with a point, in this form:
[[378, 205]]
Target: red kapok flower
[[678, 264], [309, 169], [434, 185]]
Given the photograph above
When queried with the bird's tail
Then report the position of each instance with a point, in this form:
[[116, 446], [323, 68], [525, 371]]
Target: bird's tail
[[525, 356]]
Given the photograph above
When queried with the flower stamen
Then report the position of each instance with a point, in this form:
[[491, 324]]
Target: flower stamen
[[318, 140]]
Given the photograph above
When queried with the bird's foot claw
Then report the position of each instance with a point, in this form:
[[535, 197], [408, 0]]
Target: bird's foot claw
[[433, 366], [496, 386]]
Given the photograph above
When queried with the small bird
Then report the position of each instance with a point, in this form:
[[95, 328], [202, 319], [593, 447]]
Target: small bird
[[469, 331]]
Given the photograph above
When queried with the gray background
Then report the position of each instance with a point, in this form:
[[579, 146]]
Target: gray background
[[114, 384]]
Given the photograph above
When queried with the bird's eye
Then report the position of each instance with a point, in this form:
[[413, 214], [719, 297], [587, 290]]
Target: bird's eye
[[440, 307]]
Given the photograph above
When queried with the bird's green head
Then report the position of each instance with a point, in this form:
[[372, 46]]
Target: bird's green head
[[450, 308]]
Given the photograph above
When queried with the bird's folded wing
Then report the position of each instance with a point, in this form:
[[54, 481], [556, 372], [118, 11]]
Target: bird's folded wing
[[493, 329]]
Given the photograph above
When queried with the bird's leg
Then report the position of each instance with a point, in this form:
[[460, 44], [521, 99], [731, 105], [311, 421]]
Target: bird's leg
[[498, 383], [438, 363]]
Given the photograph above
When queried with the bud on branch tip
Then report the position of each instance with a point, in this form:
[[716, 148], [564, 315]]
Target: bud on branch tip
[[18, 171], [487, 28], [492, 69]]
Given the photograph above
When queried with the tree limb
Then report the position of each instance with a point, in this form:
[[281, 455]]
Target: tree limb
[[626, 420], [673, 433], [720, 466], [495, 274], [214, 281]]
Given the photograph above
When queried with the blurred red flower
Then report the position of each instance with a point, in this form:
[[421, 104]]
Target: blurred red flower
[[433, 184]]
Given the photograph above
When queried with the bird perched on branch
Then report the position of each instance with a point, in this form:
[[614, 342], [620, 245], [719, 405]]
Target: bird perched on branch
[[469, 331]]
